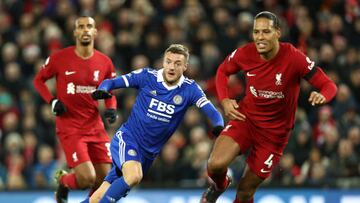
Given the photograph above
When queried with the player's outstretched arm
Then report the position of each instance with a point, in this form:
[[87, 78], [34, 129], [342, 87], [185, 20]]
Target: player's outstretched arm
[[101, 94], [214, 115]]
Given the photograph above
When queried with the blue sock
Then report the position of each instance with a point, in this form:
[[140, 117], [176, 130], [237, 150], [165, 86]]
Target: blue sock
[[87, 200], [118, 189]]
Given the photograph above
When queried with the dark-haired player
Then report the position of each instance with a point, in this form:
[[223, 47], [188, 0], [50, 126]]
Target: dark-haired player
[[78, 71], [261, 122]]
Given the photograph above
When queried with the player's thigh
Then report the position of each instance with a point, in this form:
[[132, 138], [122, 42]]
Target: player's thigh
[[224, 152], [233, 140], [99, 193], [75, 148]]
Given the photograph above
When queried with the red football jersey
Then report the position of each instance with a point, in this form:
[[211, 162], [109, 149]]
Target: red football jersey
[[272, 87], [76, 79]]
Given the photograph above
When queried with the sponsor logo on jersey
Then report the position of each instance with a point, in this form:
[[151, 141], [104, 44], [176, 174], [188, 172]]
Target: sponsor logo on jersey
[[69, 72], [253, 91], [177, 99], [160, 110], [132, 152], [278, 79], [250, 74], [264, 171], [266, 93], [71, 88], [96, 75]]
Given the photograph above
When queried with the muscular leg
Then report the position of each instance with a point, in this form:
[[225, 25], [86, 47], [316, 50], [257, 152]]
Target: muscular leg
[[132, 175], [247, 186], [101, 170], [99, 193], [85, 175], [82, 177], [224, 152]]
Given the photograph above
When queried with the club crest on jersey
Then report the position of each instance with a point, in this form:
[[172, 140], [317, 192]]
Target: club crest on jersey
[[278, 79], [96, 75], [177, 99], [132, 152]]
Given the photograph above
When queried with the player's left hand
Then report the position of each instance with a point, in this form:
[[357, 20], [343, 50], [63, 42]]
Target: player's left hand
[[316, 98], [110, 115], [101, 94]]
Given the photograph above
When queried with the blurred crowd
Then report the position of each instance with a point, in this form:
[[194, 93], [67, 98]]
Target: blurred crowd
[[323, 150]]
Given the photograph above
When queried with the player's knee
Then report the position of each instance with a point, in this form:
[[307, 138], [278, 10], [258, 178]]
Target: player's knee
[[134, 179], [86, 180], [216, 165]]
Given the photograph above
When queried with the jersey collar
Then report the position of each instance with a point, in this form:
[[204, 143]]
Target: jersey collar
[[160, 78]]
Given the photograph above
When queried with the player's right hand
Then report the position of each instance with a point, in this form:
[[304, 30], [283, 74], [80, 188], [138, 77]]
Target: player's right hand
[[101, 94], [230, 109], [57, 107]]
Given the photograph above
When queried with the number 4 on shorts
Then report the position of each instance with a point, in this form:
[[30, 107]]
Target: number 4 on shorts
[[269, 161]]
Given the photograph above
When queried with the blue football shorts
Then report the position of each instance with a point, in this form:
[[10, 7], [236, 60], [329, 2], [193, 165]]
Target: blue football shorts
[[124, 148]]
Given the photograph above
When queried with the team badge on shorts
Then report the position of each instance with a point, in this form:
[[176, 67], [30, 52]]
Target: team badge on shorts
[[132, 152], [177, 99]]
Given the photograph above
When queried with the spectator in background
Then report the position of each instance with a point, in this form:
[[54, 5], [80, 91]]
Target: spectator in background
[[312, 169], [301, 146], [330, 143], [325, 120], [344, 164], [44, 169], [286, 172]]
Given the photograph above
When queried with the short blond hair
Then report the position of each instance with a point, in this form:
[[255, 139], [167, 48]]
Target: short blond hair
[[179, 49]]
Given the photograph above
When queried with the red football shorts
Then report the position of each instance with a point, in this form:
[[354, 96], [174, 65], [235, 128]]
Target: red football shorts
[[263, 153], [79, 148]]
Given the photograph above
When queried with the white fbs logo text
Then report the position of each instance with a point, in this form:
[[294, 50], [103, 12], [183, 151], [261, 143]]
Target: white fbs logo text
[[160, 106]]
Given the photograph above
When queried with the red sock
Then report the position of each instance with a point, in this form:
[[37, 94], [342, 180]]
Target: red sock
[[219, 179], [69, 180]]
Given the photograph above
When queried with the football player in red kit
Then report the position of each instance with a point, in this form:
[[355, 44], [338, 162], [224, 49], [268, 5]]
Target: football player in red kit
[[78, 71], [261, 122]]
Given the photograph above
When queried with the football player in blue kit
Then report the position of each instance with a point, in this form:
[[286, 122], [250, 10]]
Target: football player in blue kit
[[163, 97]]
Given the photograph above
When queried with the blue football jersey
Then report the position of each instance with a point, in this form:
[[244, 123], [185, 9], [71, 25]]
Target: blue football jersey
[[158, 108]]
